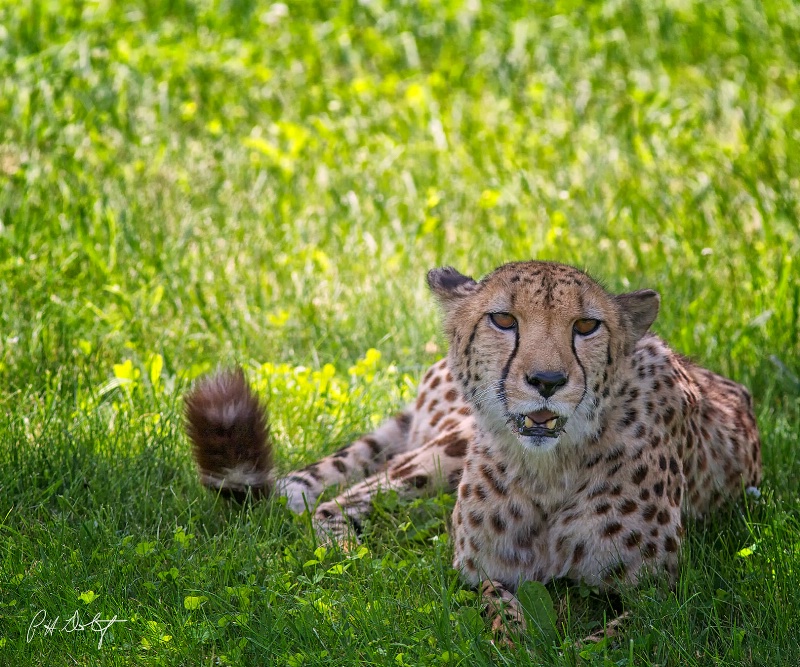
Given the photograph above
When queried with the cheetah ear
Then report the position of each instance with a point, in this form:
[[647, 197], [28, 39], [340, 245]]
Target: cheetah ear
[[449, 285], [639, 310]]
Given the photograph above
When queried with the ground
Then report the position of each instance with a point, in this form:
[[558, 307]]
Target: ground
[[185, 183]]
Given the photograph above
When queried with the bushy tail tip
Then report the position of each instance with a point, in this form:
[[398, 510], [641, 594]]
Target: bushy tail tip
[[227, 425]]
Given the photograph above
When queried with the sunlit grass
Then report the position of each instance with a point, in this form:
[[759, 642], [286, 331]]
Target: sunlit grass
[[186, 184]]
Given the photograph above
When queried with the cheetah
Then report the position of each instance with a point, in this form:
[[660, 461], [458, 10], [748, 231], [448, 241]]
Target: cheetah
[[577, 441]]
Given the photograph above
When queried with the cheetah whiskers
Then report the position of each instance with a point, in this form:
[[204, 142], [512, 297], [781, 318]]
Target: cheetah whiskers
[[488, 394]]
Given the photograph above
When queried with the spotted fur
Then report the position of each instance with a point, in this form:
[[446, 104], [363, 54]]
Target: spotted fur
[[576, 452]]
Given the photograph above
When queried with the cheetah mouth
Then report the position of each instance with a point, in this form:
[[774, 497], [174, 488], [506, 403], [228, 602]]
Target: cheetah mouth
[[540, 423]]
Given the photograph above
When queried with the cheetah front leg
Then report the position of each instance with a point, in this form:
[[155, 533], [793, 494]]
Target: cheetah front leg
[[437, 465], [503, 611], [361, 458]]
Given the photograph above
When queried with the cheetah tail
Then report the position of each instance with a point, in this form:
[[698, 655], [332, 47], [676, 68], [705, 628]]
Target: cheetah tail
[[227, 425]]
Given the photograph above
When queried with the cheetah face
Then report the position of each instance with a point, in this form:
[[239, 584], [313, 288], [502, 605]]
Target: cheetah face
[[534, 344]]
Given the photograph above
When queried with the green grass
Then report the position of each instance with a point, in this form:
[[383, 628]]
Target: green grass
[[186, 184]]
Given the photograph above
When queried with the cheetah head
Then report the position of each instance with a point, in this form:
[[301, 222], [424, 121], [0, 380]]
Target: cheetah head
[[535, 346]]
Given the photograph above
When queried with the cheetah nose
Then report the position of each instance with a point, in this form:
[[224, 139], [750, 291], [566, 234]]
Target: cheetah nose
[[547, 382]]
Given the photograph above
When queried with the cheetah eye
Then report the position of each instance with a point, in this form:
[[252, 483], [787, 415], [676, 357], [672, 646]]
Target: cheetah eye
[[585, 326], [503, 320]]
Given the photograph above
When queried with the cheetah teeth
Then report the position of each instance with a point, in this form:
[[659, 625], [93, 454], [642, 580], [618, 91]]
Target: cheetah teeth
[[550, 424]]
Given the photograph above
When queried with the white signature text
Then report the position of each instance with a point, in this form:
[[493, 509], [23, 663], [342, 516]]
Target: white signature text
[[71, 624]]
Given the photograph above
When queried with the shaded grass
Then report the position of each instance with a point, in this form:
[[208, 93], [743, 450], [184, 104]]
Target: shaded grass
[[208, 182]]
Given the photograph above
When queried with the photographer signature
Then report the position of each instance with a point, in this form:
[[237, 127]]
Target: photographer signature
[[72, 624]]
